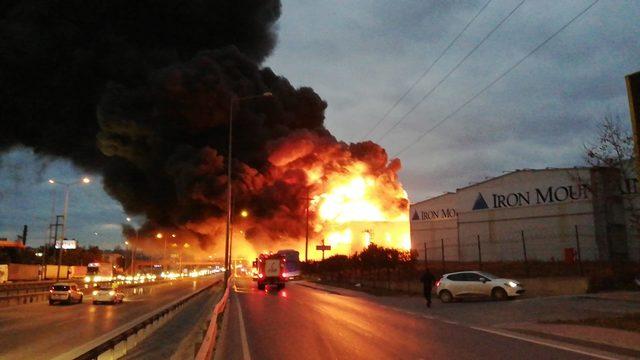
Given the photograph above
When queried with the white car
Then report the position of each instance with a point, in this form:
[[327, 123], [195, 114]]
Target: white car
[[67, 292], [107, 294], [476, 284]]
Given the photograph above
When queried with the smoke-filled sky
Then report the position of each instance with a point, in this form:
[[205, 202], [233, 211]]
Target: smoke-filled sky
[[359, 58]]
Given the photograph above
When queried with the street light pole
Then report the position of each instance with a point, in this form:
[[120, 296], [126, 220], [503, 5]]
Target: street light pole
[[67, 187], [228, 240]]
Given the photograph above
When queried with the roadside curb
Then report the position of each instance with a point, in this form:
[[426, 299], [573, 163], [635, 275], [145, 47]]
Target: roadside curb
[[580, 342]]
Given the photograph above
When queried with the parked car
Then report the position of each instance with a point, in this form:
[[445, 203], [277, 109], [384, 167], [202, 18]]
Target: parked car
[[107, 294], [67, 292], [637, 280], [476, 284]]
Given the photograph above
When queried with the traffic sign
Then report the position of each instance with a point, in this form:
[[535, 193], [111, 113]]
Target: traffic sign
[[323, 247]]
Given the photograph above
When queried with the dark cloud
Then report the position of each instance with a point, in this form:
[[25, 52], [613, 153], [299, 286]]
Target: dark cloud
[[538, 116]]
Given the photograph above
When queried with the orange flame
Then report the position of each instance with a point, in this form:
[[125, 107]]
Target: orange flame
[[355, 211]]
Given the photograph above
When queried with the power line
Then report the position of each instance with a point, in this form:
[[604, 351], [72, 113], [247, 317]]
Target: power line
[[496, 79], [415, 83], [433, 89]]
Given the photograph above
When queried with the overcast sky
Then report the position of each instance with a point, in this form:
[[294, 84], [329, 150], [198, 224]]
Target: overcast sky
[[361, 56]]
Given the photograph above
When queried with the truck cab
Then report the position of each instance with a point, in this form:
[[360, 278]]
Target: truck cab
[[270, 269]]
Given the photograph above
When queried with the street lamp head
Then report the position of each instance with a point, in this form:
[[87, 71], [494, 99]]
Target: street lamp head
[[128, 219], [268, 94], [244, 213], [126, 243], [51, 181], [173, 235], [86, 180], [159, 235]]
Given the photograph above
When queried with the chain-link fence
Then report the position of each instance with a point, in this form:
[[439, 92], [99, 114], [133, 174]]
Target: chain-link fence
[[561, 252]]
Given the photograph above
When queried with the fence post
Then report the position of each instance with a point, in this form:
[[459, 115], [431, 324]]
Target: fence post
[[425, 255], [442, 247], [578, 251], [479, 253], [524, 252]]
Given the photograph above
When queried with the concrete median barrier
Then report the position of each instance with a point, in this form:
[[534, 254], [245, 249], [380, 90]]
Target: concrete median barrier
[[209, 341]]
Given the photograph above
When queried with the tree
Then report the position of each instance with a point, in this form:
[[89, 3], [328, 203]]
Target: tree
[[613, 146]]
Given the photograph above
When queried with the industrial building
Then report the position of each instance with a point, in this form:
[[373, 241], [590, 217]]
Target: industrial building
[[546, 214]]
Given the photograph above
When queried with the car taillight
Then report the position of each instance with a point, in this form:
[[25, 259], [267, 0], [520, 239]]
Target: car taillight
[[50, 290], [438, 283]]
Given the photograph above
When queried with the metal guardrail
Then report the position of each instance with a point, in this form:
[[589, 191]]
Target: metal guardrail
[[209, 342], [22, 299], [28, 293], [116, 346], [24, 288]]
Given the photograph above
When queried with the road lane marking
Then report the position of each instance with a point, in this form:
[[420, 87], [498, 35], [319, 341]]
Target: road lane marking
[[541, 342], [243, 333]]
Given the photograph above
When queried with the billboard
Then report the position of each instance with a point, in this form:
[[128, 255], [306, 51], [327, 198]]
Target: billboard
[[67, 244]]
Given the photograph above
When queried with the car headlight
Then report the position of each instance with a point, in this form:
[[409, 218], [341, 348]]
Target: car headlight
[[87, 279], [95, 292], [512, 284]]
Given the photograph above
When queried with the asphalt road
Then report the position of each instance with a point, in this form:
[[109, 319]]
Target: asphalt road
[[41, 331], [305, 323]]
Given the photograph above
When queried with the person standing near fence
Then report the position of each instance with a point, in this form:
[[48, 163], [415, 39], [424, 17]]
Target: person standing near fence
[[427, 279]]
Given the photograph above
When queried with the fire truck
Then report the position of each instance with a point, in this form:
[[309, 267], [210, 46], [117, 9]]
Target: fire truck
[[98, 272], [270, 269]]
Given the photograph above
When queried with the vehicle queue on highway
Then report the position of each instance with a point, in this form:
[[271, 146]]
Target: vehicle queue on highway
[[109, 289]]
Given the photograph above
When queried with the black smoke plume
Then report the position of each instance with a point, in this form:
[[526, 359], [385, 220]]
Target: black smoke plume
[[141, 93]]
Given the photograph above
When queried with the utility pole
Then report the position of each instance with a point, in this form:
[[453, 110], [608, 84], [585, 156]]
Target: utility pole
[[133, 256], [23, 237], [64, 225], [47, 242], [633, 93], [53, 238]]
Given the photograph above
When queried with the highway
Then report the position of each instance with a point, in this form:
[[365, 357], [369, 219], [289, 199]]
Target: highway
[[303, 322], [41, 331]]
